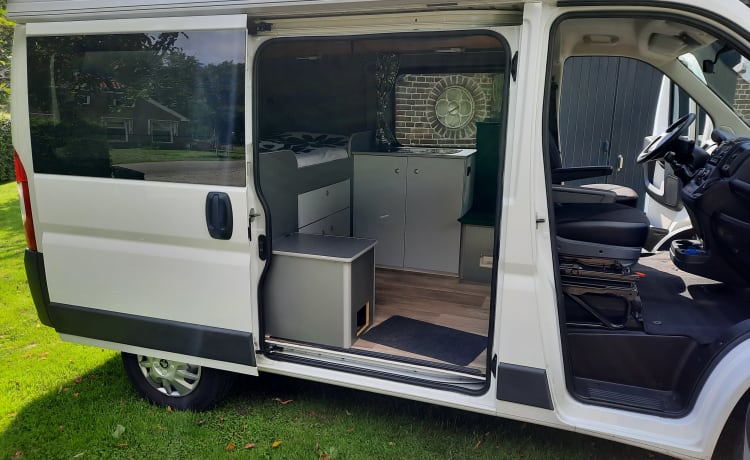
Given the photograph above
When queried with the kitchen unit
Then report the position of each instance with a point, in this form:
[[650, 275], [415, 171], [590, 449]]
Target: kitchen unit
[[410, 200]]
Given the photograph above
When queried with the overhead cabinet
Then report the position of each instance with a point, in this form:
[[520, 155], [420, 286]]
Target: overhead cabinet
[[411, 203]]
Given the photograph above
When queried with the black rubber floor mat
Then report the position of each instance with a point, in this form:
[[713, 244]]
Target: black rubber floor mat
[[701, 311], [421, 338]]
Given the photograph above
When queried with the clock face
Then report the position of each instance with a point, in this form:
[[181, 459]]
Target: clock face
[[454, 108]]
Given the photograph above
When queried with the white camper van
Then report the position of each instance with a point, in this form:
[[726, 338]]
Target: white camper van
[[372, 194]]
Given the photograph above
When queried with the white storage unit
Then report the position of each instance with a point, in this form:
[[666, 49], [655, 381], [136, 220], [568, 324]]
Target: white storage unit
[[411, 203], [320, 289], [325, 211]]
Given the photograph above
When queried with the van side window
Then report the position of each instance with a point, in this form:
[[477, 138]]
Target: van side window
[[162, 107]]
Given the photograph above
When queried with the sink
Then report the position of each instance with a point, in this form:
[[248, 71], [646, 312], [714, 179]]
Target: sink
[[429, 150]]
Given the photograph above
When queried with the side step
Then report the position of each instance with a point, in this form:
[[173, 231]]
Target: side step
[[625, 395], [373, 364]]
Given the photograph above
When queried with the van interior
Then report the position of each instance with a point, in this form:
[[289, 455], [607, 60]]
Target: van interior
[[379, 161], [402, 144], [643, 329]]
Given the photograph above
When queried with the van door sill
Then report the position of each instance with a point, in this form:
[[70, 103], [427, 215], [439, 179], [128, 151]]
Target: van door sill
[[368, 365]]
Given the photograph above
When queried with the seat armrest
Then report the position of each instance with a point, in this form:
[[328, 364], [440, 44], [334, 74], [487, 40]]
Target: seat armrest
[[564, 194], [579, 172]]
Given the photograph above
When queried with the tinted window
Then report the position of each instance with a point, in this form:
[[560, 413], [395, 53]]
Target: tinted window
[[165, 107]]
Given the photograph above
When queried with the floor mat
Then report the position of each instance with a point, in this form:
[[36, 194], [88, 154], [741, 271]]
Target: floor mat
[[676, 304], [421, 338]]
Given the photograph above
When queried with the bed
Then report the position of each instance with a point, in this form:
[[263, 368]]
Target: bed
[[309, 148], [295, 163]]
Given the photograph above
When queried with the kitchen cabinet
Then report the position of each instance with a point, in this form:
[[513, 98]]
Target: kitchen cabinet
[[325, 211], [411, 203]]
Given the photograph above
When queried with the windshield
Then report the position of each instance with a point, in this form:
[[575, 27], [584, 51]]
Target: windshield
[[726, 72]]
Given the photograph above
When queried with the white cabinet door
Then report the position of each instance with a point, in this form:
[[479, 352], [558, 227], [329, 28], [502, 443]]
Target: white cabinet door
[[434, 199], [379, 205]]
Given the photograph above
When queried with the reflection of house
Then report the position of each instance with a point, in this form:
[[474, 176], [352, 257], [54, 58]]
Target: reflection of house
[[139, 122]]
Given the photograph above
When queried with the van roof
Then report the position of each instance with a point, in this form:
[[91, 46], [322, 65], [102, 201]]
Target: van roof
[[24, 11]]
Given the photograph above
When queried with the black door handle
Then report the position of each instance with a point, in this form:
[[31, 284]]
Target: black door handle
[[219, 215]]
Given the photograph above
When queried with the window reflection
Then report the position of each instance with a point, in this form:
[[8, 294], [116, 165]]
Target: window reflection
[[166, 107]]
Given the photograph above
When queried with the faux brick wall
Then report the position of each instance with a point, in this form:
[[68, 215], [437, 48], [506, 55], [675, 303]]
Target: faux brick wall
[[742, 98], [415, 119]]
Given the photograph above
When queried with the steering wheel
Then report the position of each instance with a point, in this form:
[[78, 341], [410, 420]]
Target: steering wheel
[[664, 141]]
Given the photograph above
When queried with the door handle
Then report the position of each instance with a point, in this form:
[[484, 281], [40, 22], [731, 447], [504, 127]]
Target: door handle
[[219, 215], [620, 162]]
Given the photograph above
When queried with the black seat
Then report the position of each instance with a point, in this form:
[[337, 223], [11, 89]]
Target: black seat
[[601, 230]]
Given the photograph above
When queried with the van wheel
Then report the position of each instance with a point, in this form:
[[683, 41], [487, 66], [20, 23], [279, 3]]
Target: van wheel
[[734, 442], [182, 386]]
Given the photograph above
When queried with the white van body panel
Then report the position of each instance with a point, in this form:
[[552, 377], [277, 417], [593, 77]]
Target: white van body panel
[[236, 21], [518, 318], [55, 10], [141, 246], [143, 260]]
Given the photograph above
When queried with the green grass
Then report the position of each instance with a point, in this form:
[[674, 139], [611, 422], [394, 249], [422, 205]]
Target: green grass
[[143, 155], [60, 400]]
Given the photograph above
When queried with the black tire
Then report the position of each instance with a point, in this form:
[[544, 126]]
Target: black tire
[[197, 388], [733, 442]]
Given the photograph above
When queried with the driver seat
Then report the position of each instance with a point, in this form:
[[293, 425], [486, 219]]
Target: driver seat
[[601, 232]]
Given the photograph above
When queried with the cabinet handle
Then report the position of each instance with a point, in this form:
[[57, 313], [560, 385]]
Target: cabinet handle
[[397, 170], [416, 171]]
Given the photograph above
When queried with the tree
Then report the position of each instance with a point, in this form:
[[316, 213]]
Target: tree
[[6, 42]]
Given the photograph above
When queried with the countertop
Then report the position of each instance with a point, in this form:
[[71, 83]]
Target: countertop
[[429, 152]]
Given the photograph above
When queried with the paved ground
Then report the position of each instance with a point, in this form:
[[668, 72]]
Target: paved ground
[[220, 172]]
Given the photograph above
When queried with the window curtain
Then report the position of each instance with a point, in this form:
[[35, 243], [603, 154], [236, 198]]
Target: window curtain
[[386, 73]]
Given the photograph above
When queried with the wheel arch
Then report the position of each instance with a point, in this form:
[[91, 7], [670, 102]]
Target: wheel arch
[[726, 386]]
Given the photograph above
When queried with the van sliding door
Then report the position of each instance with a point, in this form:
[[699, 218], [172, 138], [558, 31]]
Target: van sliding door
[[138, 140]]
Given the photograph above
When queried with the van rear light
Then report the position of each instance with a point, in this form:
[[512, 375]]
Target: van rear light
[[25, 197]]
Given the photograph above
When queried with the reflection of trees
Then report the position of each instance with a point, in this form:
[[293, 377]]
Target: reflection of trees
[[225, 100], [63, 70]]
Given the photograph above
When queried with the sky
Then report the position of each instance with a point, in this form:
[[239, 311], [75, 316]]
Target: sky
[[214, 47]]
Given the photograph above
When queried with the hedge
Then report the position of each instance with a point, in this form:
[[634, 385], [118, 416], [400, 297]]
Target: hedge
[[7, 173]]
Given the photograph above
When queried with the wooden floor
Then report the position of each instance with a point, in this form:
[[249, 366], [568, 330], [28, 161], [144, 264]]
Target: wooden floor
[[437, 299]]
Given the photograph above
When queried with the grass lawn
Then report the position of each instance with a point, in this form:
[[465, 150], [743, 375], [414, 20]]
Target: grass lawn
[[142, 155], [59, 400]]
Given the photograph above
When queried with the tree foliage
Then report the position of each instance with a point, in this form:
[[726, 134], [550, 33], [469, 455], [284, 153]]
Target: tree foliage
[[6, 147], [6, 42]]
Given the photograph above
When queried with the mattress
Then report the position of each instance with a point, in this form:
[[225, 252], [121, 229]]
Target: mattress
[[309, 148]]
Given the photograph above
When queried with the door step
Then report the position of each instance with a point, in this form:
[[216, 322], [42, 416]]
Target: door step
[[626, 395]]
